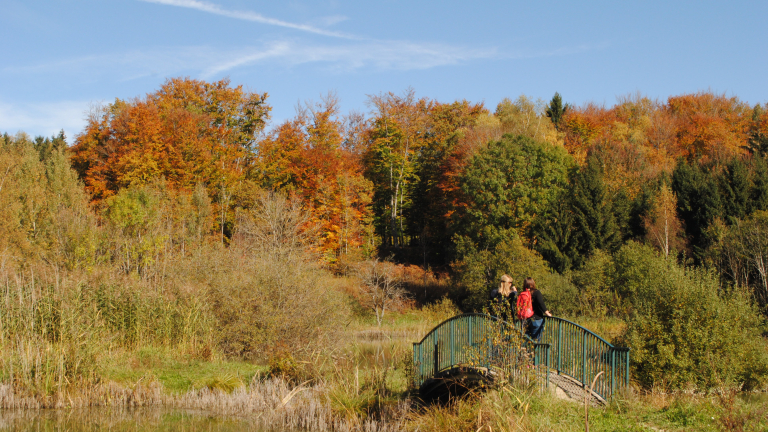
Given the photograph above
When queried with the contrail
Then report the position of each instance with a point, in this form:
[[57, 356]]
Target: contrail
[[248, 16]]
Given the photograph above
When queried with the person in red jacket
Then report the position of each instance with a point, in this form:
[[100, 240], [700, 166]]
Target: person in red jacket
[[535, 324]]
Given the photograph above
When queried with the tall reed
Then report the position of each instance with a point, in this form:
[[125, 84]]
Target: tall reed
[[55, 331]]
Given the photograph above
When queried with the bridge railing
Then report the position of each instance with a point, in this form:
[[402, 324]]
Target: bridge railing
[[484, 341], [581, 354], [478, 341]]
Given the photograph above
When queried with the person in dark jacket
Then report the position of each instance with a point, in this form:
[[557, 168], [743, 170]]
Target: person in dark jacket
[[503, 299], [535, 324]]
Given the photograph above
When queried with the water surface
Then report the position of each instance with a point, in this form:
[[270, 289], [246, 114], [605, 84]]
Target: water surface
[[118, 420]]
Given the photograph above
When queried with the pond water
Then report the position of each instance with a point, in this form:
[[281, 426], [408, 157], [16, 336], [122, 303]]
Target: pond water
[[754, 398], [119, 420]]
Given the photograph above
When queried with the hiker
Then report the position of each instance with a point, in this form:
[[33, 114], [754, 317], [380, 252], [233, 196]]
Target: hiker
[[535, 313], [503, 297]]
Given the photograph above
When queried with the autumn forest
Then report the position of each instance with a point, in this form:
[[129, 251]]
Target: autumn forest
[[414, 177], [187, 224]]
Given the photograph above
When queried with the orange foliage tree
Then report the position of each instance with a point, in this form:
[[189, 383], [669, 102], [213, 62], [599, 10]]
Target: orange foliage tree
[[188, 132], [307, 157], [638, 138], [758, 129], [709, 125]]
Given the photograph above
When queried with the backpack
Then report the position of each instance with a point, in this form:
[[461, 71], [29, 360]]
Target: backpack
[[524, 305]]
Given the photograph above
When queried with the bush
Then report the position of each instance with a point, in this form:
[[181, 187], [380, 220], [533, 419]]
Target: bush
[[254, 314], [561, 296], [593, 284], [267, 291], [439, 311], [683, 329]]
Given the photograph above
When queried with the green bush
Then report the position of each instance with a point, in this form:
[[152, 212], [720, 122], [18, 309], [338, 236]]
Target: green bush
[[561, 296], [593, 284], [683, 329]]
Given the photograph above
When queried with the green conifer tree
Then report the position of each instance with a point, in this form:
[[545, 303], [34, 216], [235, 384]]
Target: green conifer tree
[[556, 110], [600, 220]]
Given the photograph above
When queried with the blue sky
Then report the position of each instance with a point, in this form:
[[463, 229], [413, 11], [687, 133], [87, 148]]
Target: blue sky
[[59, 58]]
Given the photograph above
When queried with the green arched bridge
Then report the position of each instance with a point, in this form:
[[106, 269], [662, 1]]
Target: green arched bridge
[[477, 348]]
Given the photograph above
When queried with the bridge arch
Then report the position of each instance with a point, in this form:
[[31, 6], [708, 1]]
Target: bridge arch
[[471, 349]]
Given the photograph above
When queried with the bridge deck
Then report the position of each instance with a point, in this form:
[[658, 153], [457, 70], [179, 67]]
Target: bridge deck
[[566, 387]]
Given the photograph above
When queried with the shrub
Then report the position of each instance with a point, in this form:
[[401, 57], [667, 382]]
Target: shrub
[[562, 297], [439, 311], [683, 329], [593, 285], [267, 290], [381, 288], [254, 314]]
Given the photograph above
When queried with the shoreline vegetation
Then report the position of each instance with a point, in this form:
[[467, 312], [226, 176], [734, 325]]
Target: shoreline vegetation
[[179, 256], [362, 384], [374, 394]]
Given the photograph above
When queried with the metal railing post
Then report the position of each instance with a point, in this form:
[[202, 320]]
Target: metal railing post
[[626, 375], [548, 366], [559, 342], [471, 328], [613, 369], [451, 346], [584, 358], [436, 358], [417, 376]]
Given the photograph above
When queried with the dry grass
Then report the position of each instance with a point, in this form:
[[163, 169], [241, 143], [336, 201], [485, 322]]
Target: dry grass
[[504, 409], [608, 328], [274, 404], [110, 394]]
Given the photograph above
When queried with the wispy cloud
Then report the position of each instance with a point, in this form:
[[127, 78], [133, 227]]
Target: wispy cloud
[[354, 53], [378, 55], [249, 16], [128, 65], [248, 56], [331, 20], [209, 62]]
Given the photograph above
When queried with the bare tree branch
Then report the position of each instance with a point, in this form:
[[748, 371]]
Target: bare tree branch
[[380, 286]]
